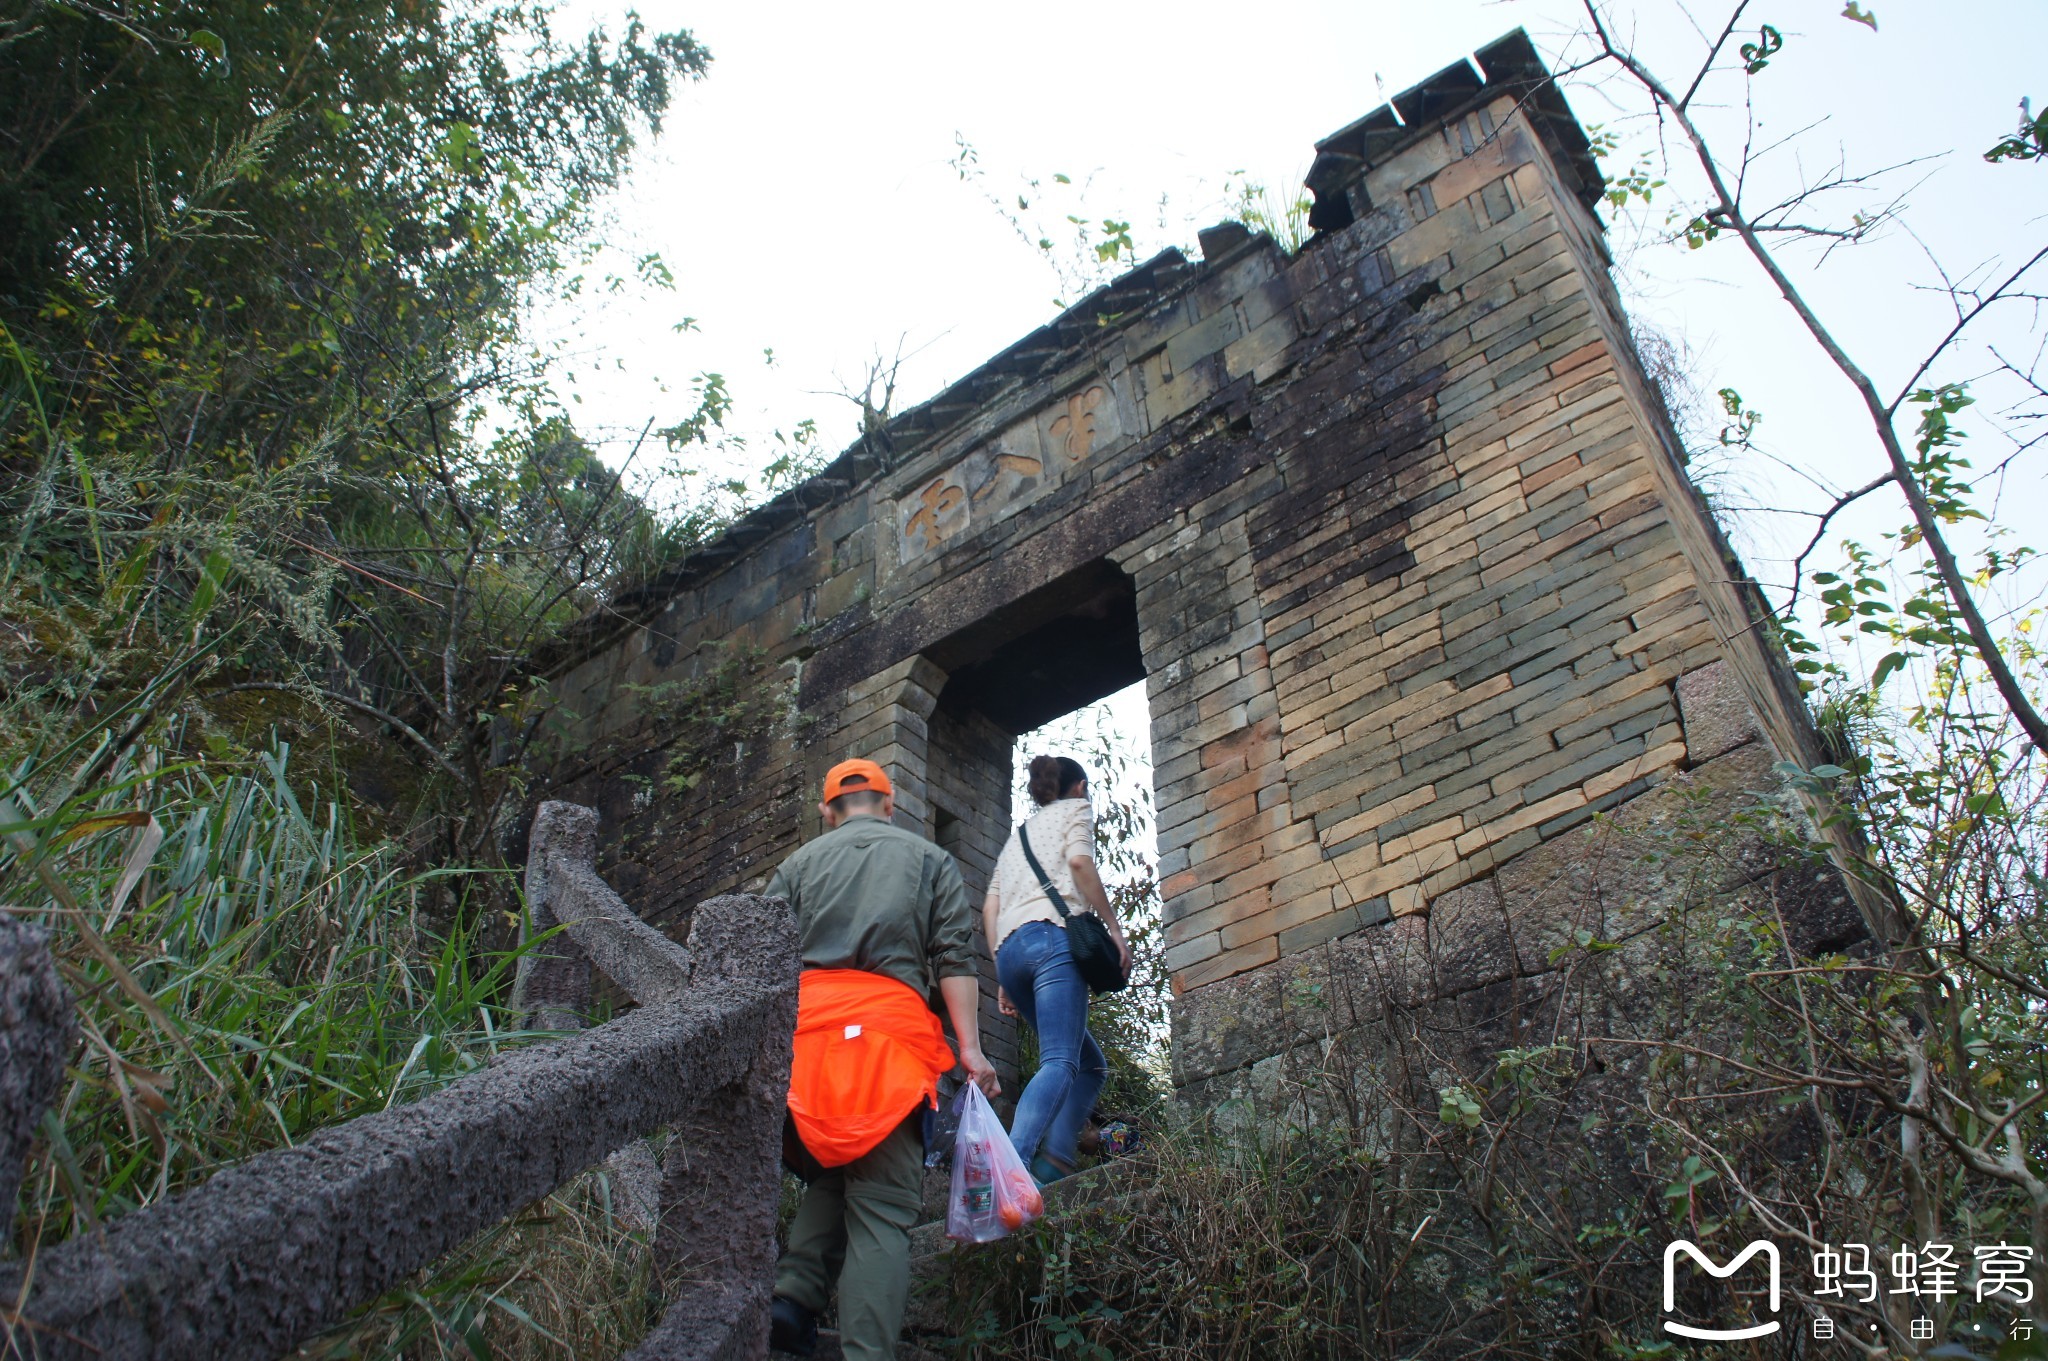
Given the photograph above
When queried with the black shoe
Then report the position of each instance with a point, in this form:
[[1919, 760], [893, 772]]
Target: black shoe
[[791, 1328]]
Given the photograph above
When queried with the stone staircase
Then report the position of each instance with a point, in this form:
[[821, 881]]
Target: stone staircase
[[926, 1330]]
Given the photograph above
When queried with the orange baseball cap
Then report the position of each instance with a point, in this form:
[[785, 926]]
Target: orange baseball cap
[[854, 777]]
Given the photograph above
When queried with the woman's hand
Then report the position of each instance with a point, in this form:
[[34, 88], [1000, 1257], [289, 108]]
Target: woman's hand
[[1003, 1002], [1123, 950]]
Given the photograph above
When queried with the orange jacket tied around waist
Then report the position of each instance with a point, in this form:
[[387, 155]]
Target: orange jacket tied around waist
[[868, 1051]]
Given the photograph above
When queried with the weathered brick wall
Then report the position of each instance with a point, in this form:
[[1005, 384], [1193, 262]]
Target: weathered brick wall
[[969, 787], [1394, 528]]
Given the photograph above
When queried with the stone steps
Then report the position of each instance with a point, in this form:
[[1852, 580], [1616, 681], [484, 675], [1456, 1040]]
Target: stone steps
[[929, 1249]]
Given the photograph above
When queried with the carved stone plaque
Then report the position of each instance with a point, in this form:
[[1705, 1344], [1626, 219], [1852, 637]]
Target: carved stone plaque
[[1007, 472], [1083, 423]]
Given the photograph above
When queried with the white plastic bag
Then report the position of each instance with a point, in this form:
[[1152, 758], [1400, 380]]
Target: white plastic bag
[[993, 1192]]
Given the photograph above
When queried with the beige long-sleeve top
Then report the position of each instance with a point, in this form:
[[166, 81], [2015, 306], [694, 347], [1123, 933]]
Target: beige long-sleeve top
[[1059, 830]]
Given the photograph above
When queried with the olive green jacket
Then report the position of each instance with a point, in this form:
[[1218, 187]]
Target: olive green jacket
[[869, 895]]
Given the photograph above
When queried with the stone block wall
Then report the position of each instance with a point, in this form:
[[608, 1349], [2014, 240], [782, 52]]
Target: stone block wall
[[968, 781], [1394, 528], [1467, 638]]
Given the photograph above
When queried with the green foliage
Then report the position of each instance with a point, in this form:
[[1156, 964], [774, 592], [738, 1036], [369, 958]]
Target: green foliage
[[295, 979], [326, 232], [1757, 55], [1115, 239], [1918, 1058], [277, 455], [1703, 228], [1086, 248], [1280, 216], [2030, 143], [1083, 250], [1742, 421], [699, 509], [1636, 184], [1913, 1074], [260, 285], [1460, 1107], [453, 149]]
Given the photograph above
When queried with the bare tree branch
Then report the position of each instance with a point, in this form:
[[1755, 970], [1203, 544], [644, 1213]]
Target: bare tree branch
[[1713, 54], [1998, 294], [1924, 516], [1842, 502], [392, 720]]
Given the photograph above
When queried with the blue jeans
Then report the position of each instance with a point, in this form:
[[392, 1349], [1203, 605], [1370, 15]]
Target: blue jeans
[[1036, 968]]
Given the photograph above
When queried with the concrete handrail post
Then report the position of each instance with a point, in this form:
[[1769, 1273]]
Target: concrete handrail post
[[36, 1030], [563, 888], [715, 1247], [552, 986], [280, 1248]]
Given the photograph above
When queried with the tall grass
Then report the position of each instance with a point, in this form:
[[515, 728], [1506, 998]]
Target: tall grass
[[1286, 1247], [279, 977], [298, 981]]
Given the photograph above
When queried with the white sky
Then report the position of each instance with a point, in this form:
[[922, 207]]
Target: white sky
[[803, 194]]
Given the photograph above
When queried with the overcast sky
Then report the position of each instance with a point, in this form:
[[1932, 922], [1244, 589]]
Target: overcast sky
[[805, 197], [804, 194]]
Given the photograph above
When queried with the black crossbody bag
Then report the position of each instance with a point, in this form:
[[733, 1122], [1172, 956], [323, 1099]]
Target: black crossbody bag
[[1095, 954]]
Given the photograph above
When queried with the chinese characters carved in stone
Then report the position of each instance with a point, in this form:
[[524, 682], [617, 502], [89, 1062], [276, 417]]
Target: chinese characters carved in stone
[[1006, 472]]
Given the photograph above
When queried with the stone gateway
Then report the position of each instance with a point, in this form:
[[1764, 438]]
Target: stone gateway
[[1394, 529]]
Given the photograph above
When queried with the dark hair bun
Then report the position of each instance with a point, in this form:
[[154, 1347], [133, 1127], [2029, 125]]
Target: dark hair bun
[[1045, 779], [1052, 776]]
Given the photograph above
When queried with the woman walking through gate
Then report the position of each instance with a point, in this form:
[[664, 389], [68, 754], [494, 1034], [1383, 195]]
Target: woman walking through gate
[[1035, 963]]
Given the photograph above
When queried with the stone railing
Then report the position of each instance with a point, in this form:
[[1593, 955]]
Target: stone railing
[[271, 1252]]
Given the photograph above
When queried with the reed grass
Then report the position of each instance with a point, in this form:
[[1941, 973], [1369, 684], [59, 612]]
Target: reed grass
[[280, 976]]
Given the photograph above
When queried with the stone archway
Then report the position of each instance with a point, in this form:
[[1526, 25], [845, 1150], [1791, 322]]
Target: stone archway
[[1418, 579]]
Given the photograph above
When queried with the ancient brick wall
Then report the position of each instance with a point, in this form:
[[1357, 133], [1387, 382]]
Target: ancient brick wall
[[1393, 528], [968, 783]]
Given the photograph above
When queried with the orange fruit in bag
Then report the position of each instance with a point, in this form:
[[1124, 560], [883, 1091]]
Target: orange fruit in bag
[[1021, 1200]]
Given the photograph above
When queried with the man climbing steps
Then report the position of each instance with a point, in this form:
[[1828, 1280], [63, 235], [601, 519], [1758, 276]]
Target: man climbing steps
[[881, 913]]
